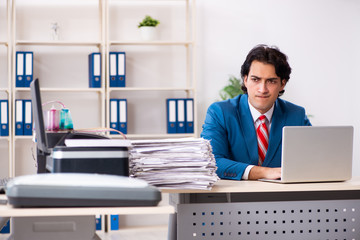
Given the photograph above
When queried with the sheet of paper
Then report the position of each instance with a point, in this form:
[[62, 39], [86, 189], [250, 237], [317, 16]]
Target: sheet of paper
[[97, 143]]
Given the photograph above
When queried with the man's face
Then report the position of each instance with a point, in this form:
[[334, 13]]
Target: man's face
[[263, 86]]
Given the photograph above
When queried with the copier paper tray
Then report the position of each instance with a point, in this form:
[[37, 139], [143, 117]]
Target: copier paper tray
[[80, 189], [105, 160]]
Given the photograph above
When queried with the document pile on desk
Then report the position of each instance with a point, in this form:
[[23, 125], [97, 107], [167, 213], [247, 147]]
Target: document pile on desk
[[182, 163]]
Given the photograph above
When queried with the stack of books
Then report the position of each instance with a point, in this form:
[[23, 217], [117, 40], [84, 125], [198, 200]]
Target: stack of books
[[182, 163]]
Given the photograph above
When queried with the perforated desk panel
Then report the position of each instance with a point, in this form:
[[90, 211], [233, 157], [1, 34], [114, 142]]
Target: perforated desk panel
[[326, 219]]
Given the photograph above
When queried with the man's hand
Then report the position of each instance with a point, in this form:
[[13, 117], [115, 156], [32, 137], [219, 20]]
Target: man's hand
[[264, 172]]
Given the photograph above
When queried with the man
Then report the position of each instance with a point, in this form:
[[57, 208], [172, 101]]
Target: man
[[246, 132]]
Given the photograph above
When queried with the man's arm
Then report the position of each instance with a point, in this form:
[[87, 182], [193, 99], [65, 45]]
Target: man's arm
[[214, 130]]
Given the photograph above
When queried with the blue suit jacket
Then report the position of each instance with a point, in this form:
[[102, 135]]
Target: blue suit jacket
[[230, 128]]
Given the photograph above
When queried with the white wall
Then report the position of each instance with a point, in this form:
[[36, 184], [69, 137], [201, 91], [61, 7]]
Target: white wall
[[320, 38]]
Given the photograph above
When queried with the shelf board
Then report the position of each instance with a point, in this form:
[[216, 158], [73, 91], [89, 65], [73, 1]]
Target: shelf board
[[131, 136], [169, 43], [23, 89], [96, 43], [4, 89], [3, 43], [57, 43], [9, 211], [64, 89], [5, 138], [25, 137], [137, 136], [149, 89]]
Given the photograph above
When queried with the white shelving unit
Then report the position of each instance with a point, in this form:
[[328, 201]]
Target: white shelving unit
[[21, 40], [5, 89], [156, 70], [127, 41]]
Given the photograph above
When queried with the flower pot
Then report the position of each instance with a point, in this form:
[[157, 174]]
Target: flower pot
[[148, 33]]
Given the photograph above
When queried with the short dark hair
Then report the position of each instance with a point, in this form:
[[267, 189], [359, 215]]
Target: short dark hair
[[270, 55]]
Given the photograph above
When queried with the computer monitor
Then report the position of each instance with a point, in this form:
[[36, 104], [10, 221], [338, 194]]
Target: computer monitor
[[42, 143], [41, 139]]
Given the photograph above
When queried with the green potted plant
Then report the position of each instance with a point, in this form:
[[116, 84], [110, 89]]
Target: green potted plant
[[148, 28], [232, 89]]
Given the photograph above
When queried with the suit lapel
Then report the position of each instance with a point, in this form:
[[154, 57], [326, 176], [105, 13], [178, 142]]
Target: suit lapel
[[248, 129], [277, 124]]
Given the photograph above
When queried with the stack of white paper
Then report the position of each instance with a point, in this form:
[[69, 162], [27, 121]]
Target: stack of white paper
[[186, 163]]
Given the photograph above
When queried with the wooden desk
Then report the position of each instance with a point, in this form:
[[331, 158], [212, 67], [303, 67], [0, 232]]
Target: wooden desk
[[226, 186], [81, 215], [246, 210], [263, 210]]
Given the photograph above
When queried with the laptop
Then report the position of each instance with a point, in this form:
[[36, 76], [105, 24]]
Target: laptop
[[316, 154]]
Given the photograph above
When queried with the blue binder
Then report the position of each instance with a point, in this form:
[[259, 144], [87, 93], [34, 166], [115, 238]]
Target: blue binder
[[121, 69], [189, 106], [114, 122], [20, 65], [95, 70], [98, 220], [181, 116], [4, 118], [113, 69], [27, 108], [29, 59], [19, 124], [122, 116], [114, 222], [171, 115], [6, 228]]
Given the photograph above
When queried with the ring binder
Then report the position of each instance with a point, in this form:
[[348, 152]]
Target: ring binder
[[27, 105], [122, 116], [29, 57], [95, 70], [171, 115], [19, 124], [189, 126], [121, 69], [114, 123], [20, 69], [113, 69], [181, 115], [4, 124]]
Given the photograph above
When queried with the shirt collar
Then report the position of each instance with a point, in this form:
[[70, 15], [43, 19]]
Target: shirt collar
[[256, 114]]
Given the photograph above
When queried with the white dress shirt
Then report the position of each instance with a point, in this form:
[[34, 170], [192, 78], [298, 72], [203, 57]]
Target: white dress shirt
[[255, 115]]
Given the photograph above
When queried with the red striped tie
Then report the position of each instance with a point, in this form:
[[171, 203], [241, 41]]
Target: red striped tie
[[263, 139]]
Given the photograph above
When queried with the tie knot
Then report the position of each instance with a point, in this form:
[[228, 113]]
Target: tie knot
[[262, 118]]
